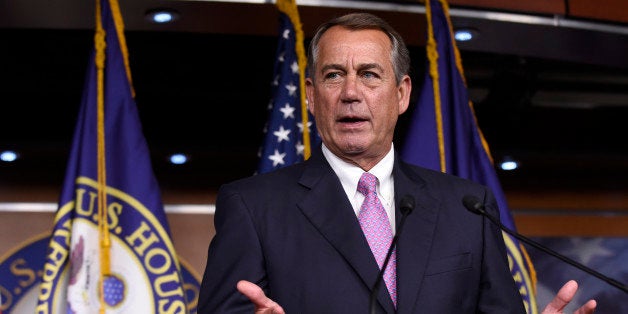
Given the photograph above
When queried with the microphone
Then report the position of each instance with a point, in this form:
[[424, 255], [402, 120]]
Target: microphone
[[406, 205], [474, 205]]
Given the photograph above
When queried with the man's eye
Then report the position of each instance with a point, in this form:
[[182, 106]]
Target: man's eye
[[369, 75], [332, 75]]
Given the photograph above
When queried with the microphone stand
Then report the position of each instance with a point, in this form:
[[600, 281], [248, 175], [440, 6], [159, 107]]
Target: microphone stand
[[407, 205], [474, 205]]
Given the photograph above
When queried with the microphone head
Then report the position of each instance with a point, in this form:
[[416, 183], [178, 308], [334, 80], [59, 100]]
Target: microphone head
[[406, 205], [473, 204]]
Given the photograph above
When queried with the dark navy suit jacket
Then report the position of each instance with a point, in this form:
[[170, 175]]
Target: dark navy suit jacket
[[294, 233]]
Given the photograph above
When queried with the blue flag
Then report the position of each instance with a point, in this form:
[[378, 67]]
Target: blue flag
[[443, 135], [110, 247], [284, 141]]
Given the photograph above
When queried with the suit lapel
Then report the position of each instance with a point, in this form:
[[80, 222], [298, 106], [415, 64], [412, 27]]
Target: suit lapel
[[415, 241], [329, 210]]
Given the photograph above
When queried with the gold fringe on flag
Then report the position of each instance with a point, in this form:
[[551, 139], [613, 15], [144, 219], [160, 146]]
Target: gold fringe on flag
[[100, 59], [103, 229], [432, 56], [289, 7]]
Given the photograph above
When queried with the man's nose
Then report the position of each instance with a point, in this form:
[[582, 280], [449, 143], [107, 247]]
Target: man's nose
[[350, 89]]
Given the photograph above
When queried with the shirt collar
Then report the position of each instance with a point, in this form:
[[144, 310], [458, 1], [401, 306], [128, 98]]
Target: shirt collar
[[349, 174]]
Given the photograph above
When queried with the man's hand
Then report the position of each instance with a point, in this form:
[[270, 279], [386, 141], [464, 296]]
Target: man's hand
[[263, 305], [564, 296]]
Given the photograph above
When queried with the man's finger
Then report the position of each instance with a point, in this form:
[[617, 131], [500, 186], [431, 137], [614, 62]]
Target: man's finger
[[562, 298], [262, 303], [587, 308]]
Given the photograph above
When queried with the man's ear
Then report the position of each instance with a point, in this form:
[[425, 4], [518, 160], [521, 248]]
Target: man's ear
[[309, 95], [403, 93]]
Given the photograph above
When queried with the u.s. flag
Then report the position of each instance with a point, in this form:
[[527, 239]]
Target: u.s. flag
[[290, 130], [110, 250], [444, 135]]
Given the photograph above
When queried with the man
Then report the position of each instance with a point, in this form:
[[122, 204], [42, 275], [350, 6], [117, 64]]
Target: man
[[300, 233]]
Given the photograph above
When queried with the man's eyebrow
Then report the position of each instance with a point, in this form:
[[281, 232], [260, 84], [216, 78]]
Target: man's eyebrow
[[361, 67], [332, 66], [369, 66]]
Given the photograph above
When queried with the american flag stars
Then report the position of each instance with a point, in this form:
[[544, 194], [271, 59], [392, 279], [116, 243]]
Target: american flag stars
[[292, 89], [277, 158], [295, 67], [283, 143], [288, 111], [282, 134]]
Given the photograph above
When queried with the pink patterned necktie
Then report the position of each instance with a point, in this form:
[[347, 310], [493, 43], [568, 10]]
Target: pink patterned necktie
[[376, 227]]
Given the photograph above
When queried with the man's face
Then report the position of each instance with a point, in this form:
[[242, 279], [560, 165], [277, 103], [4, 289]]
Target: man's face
[[355, 98]]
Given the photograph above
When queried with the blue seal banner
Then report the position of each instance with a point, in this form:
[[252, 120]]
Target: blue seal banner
[[22, 267], [110, 250]]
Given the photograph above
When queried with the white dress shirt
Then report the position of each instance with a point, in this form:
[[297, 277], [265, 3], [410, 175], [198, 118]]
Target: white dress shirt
[[349, 175]]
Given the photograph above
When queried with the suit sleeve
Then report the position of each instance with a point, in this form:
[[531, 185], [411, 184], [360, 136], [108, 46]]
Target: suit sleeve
[[234, 254], [499, 293]]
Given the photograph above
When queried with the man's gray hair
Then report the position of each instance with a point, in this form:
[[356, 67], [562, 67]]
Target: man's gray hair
[[400, 56]]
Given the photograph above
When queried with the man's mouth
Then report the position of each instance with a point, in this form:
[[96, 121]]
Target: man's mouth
[[351, 120]]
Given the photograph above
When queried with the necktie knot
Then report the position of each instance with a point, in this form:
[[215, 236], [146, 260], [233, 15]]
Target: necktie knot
[[367, 184]]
